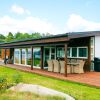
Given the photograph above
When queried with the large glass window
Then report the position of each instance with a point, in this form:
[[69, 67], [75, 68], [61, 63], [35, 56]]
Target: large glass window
[[49, 53], [23, 56], [60, 52], [37, 57], [77, 52], [46, 56], [17, 56], [74, 52], [69, 52], [82, 52], [52, 53], [29, 56]]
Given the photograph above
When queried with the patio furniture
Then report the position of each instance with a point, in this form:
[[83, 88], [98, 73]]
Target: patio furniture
[[68, 60], [56, 66], [79, 67], [50, 65], [71, 66], [73, 60], [62, 65]]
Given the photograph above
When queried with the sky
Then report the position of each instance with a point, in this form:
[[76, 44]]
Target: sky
[[49, 16]]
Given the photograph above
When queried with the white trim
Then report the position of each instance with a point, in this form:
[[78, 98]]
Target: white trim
[[23, 65]]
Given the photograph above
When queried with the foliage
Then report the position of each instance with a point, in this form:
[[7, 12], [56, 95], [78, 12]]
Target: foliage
[[9, 37], [78, 91], [3, 82], [2, 38], [20, 36]]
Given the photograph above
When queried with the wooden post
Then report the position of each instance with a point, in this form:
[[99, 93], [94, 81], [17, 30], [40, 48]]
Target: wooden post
[[31, 58], [5, 57], [42, 49], [65, 60]]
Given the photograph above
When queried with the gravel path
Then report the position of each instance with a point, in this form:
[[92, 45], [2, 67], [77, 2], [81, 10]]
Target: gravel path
[[40, 90]]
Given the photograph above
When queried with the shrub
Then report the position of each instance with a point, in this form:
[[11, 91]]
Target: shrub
[[3, 82]]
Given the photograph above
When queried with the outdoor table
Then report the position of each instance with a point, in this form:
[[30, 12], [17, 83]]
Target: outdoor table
[[72, 65]]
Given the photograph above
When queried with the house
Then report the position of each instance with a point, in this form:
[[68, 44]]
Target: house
[[35, 53]]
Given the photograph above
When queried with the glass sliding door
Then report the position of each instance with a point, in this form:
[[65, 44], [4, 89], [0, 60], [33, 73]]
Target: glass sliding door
[[46, 56], [53, 55], [17, 56], [37, 57], [29, 59], [49, 53], [23, 53]]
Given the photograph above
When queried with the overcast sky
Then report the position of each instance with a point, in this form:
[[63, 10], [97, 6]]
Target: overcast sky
[[53, 16]]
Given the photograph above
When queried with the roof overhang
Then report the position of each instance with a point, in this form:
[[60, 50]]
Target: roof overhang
[[36, 42]]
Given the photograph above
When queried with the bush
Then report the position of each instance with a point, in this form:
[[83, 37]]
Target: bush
[[17, 78], [3, 82]]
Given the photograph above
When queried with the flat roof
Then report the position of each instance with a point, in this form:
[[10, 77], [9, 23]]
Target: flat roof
[[52, 39]]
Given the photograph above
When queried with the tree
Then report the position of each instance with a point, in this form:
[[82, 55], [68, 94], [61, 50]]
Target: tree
[[46, 34], [26, 35], [18, 36], [2, 38], [36, 35], [9, 37]]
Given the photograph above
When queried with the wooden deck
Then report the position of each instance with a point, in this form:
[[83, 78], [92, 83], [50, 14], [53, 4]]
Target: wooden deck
[[89, 78]]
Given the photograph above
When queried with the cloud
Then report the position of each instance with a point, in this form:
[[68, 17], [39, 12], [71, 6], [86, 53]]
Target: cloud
[[33, 24], [28, 24], [19, 10], [77, 23]]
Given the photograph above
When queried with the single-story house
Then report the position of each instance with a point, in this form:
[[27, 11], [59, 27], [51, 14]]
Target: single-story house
[[35, 53]]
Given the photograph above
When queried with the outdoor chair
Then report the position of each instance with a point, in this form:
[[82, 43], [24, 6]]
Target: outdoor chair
[[56, 66], [50, 65], [68, 60], [73, 60], [62, 65], [79, 67]]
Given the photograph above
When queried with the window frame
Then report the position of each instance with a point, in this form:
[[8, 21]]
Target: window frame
[[70, 56]]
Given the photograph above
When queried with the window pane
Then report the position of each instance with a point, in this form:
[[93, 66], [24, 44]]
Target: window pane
[[82, 52], [60, 52], [47, 56], [16, 55], [74, 52], [68, 52], [37, 57], [23, 56], [29, 56]]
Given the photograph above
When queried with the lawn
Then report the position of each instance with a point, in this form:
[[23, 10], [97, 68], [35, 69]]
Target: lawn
[[10, 95], [78, 91]]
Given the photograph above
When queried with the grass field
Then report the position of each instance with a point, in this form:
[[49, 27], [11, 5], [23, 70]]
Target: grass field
[[78, 91], [10, 95]]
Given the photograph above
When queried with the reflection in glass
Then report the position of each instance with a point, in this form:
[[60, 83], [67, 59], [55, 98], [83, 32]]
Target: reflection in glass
[[68, 52], [82, 52], [17, 55], [23, 56], [74, 52], [47, 56], [60, 52], [37, 57], [29, 56]]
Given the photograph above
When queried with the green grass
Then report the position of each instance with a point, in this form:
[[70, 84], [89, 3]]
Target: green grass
[[78, 91], [10, 95]]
